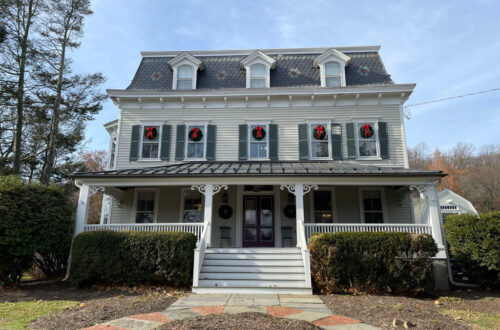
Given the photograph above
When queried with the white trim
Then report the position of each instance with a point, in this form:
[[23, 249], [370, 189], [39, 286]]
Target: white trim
[[328, 124], [249, 137], [136, 195], [204, 138], [103, 207], [332, 55], [361, 204], [333, 200], [358, 122], [150, 123], [183, 201]]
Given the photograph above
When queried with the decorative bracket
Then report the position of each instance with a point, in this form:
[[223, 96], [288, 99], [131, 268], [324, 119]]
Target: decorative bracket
[[291, 188], [420, 189], [202, 188], [94, 190]]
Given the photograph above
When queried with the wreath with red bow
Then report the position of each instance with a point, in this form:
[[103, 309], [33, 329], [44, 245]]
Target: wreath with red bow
[[319, 132], [258, 133], [195, 134], [366, 131], [150, 133]]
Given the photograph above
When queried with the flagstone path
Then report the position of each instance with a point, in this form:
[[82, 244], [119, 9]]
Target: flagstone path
[[297, 307]]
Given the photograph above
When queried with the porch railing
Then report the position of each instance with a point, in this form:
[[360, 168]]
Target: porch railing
[[193, 228], [311, 228]]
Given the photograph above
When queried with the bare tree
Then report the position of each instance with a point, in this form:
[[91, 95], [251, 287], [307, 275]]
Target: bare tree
[[418, 156]]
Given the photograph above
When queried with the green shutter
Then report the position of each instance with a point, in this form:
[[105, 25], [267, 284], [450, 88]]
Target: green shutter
[[134, 142], [273, 142], [303, 142], [383, 137], [337, 141], [211, 129], [243, 142], [166, 132], [180, 142], [351, 142]]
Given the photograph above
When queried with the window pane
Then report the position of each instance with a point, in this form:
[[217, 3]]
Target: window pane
[[251, 211], [151, 133], [144, 217], [184, 84], [374, 217], [185, 71], [266, 212], [319, 149], [195, 150], [368, 148], [332, 81], [266, 234], [322, 201], [258, 71], [250, 234], [332, 69], [257, 83]]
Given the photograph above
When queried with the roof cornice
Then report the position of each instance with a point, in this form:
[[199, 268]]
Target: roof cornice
[[269, 51]]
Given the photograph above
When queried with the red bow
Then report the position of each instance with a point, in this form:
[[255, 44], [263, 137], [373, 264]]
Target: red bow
[[320, 130], [194, 133], [259, 132], [367, 130], [150, 134]]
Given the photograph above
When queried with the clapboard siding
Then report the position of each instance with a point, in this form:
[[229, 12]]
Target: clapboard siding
[[287, 119]]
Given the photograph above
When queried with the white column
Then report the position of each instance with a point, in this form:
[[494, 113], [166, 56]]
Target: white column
[[299, 205], [82, 209], [209, 193], [435, 219]]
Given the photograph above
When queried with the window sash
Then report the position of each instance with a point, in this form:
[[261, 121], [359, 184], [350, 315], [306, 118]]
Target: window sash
[[373, 206], [322, 214], [196, 149], [193, 207], [150, 149], [184, 84], [315, 145], [367, 148], [257, 82], [258, 149], [145, 207]]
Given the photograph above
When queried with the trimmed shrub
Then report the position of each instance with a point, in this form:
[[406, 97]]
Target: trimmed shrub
[[34, 220], [474, 241], [372, 262], [105, 257]]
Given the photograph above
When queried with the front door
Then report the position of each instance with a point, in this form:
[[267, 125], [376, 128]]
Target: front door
[[258, 221]]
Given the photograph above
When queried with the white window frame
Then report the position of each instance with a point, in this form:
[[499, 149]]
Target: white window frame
[[249, 139], [258, 57], [177, 78], [362, 206], [340, 76], [204, 125], [332, 55], [151, 123], [184, 191], [334, 203], [136, 199], [182, 59], [109, 208], [328, 124], [357, 124]]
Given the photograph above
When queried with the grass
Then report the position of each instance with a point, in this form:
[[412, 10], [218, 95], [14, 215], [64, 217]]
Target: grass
[[18, 315], [477, 320]]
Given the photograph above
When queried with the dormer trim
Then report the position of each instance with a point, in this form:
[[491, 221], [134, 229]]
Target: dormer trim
[[185, 58], [258, 57], [332, 55]]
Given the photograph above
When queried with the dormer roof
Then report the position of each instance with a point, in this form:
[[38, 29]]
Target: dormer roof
[[185, 56], [256, 55], [332, 52]]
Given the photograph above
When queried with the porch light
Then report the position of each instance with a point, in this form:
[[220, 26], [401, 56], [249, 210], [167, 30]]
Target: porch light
[[225, 198]]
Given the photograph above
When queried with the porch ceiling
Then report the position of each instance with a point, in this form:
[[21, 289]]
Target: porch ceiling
[[262, 169]]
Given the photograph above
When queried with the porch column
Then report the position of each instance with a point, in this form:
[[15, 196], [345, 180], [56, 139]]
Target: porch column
[[82, 209], [208, 190], [299, 215], [435, 219]]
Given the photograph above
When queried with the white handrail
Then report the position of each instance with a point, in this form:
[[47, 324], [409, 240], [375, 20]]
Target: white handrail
[[199, 254], [193, 228]]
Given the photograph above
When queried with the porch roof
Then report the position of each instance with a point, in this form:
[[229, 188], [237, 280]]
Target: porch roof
[[260, 168]]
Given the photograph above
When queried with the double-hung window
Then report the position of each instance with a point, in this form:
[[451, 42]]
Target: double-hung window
[[150, 144], [191, 206], [146, 205], [258, 141], [366, 133], [185, 77], [372, 205], [323, 206], [319, 137], [196, 141], [333, 76], [258, 75]]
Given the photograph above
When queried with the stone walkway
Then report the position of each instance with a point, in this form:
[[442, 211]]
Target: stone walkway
[[297, 307]]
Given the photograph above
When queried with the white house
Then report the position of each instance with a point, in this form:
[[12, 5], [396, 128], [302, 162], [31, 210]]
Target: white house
[[449, 202], [255, 150]]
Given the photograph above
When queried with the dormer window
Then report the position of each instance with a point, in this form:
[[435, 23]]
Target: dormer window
[[332, 65], [185, 68], [258, 66]]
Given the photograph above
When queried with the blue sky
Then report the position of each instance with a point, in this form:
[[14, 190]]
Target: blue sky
[[446, 47]]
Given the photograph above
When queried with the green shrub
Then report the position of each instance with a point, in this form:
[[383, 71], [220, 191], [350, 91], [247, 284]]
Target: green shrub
[[366, 261], [475, 242], [35, 220], [105, 257]]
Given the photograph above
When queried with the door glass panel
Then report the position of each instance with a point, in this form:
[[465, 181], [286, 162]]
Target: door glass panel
[[266, 212], [251, 212], [266, 234], [250, 234]]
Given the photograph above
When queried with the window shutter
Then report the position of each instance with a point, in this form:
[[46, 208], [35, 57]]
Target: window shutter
[[180, 142], [166, 131], [351, 142], [243, 142], [303, 142], [273, 142], [134, 142], [383, 136], [337, 141], [211, 129]]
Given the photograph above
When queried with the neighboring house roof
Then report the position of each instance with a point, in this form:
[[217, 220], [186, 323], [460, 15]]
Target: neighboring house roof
[[292, 70], [248, 168], [454, 201]]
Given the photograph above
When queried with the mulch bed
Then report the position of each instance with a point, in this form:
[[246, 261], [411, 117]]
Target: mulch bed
[[243, 321], [380, 311]]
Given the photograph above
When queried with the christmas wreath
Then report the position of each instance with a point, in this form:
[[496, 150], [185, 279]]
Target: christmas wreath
[[366, 131], [290, 211], [195, 134], [258, 133], [319, 132], [150, 132], [225, 211]]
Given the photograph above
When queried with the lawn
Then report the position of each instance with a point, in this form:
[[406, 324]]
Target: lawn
[[477, 320], [16, 315]]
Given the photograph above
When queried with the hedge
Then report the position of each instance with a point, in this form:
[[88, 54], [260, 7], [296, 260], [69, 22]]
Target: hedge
[[105, 257], [474, 241], [36, 225], [372, 262]]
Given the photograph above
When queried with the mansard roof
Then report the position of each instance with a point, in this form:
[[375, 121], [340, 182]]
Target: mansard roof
[[294, 68]]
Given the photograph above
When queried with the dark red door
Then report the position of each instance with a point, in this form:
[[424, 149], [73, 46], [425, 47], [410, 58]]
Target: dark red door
[[258, 221]]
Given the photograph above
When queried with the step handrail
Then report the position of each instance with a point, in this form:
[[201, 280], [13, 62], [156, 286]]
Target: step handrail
[[199, 254]]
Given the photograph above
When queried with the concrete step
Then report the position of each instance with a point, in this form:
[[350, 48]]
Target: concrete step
[[225, 262], [256, 256], [253, 269], [251, 276], [251, 284], [251, 290]]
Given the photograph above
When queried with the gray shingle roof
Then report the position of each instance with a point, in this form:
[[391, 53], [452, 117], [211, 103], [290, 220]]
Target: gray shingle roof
[[246, 168], [224, 72]]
